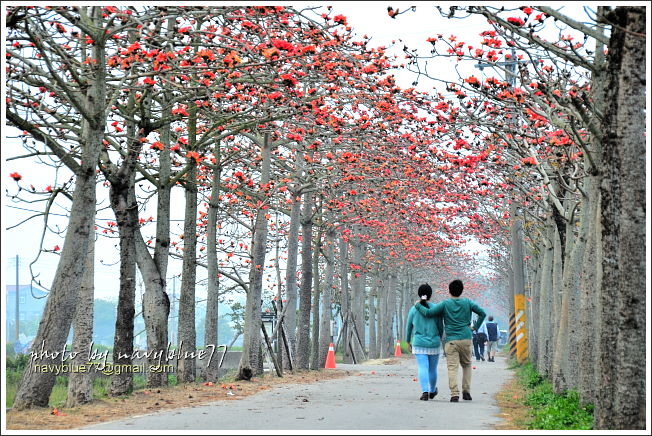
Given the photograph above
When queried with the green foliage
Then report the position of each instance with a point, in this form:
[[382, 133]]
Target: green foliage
[[9, 349], [513, 363], [59, 392], [529, 376], [17, 362], [237, 317], [230, 376], [101, 387], [13, 376], [549, 410]]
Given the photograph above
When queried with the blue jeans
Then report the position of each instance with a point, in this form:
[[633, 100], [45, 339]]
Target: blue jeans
[[427, 365]]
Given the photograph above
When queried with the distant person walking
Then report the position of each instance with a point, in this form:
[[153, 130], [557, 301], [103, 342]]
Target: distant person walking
[[424, 339], [493, 334], [456, 312], [478, 344]]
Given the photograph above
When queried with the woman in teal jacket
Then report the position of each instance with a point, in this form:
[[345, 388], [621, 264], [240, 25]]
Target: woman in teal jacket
[[424, 338]]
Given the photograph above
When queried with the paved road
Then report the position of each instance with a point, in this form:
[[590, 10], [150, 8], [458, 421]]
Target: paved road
[[384, 397]]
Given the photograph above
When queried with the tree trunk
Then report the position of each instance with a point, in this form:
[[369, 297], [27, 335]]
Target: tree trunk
[[544, 354], [623, 227], [156, 304], [251, 361], [385, 307], [314, 356], [290, 320], [281, 355], [303, 329], [390, 308], [153, 269], [362, 318], [212, 297], [591, 282], [532, 292], [186, 363], [345, 300], [571, 288], [590, 289], [357, 290], [80, 383], [402, 297], [560, 381], [125, 207], [325, 337], [373, 341], [35, 387]]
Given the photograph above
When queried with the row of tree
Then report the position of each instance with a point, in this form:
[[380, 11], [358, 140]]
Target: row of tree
[[288, 136], [567, 123], [251, 112]]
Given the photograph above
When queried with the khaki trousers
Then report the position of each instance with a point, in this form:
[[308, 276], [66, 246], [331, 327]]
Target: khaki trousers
[[458, 352]]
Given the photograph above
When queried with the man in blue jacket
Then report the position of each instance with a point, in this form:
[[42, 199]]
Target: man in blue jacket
[[490, 328]]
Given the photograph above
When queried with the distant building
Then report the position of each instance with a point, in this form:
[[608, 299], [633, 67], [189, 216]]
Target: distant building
[[31, 301]]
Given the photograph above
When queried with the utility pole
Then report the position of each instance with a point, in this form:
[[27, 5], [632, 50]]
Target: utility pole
[[173, 340], [510, 68], [17, 329], [518, 334]]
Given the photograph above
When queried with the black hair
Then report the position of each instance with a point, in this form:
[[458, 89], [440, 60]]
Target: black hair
[[491, 318], [426, 290], [455, 288]]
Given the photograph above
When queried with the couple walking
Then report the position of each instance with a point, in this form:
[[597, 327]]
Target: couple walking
[[426, 325]]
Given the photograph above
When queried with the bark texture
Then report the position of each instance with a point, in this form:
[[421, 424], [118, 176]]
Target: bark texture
[[251, 362], [621, 393], [80, 383]]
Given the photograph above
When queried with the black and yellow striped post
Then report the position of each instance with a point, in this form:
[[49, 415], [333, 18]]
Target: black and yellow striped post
[[520, 322], [512, 335]]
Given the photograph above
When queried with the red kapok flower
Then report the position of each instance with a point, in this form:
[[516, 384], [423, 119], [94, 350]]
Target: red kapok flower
[[15, 176], [516, 21]]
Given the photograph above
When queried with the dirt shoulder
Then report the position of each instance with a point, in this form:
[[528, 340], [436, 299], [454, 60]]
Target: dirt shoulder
[[146, 401], [513, 411]]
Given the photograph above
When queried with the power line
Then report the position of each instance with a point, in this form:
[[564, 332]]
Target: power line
[[68, 216]]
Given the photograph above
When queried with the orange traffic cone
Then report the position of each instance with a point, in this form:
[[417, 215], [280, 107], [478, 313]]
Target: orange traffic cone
[[397, 352], [330, 357]]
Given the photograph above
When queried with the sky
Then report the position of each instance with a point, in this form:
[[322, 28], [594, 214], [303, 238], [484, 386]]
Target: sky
[[366, 18]]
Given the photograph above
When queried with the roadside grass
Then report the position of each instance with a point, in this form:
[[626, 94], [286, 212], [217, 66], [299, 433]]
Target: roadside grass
[[17, 363], [60, 388], [530, 403]]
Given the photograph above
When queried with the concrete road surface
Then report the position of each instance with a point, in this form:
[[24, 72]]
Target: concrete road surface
[[384, 397]]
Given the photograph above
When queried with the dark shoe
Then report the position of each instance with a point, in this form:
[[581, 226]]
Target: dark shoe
[[477, 358], [455, 399], [424, 396], [482, 358], [466, 396], [433, 394]]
